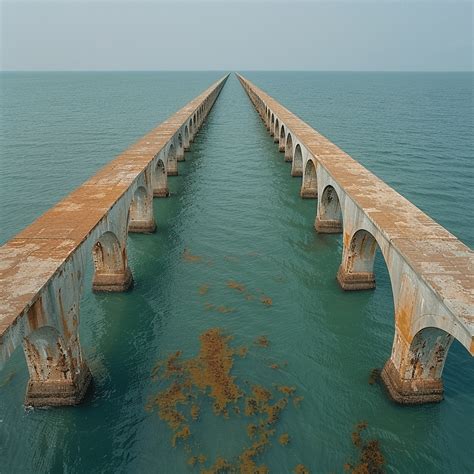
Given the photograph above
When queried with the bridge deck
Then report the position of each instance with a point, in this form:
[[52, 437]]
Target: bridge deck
[[30, 259], [443, 262]]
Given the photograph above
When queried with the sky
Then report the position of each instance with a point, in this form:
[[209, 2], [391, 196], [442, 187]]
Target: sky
[[351, 35]]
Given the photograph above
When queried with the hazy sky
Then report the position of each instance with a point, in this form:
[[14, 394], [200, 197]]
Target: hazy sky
[[229, 35]]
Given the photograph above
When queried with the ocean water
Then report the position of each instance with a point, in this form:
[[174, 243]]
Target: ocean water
[[237, 212]]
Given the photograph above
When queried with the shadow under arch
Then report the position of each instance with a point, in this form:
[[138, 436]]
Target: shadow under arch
[[172, 161], [141, 219], [329, 212], [297, 166], [289, 148], [309, 186], [111, 272], [281, 140], [160, 179]]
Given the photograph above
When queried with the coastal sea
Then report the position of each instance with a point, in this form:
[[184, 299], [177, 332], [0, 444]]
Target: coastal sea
[[236, 267]]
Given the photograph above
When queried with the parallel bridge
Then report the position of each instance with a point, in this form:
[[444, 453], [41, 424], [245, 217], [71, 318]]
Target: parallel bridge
[[42, 268], [431, 271]]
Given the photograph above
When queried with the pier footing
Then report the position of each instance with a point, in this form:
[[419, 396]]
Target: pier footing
[[410, 392], [58, 393], [355, 281], [115, 282]]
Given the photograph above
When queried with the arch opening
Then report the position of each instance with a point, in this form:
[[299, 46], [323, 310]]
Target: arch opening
[[297, 165], [272, 126], [289, 148], [329, 214], [141, 212], [357, 268], [186, 138], [160, 180], [111, 272], [180, 153], [413, 373], [309, 186], [281, 141], [276, 135], [172, 165]]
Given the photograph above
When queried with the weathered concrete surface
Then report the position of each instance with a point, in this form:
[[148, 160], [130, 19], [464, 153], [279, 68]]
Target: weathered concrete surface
[[42, 268], [431, 271]]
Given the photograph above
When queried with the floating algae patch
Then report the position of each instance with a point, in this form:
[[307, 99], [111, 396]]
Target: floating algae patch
[[374, 376], [262, 341], [266, 300], [209, 375], [188, 257], [301, 469], [371, 459], [203, 289], [236, 285]]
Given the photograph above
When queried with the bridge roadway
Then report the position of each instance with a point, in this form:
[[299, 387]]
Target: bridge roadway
[[431, 271], [42, 268]]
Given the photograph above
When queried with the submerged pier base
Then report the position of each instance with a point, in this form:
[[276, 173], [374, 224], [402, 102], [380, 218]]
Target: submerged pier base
[[328, 226], [410, 391], [355, 280]]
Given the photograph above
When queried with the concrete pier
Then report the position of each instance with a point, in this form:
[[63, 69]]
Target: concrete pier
[[42, 268], [431, 271]]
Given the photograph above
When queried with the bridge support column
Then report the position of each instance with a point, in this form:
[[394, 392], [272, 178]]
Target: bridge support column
[[59, 375], [160, 180], [328, 226], [412, 375], [141, 212], [112, 273], [357, 268], [329, 215]]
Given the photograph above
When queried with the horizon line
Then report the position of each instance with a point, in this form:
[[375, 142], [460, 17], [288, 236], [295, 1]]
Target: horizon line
[[245, 70]]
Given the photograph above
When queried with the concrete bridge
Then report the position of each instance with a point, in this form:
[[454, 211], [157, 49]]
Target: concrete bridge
[[42, 268], [431, 271]]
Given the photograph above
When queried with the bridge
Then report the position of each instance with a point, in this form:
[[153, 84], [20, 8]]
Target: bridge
[[431, 271], [42, 268]]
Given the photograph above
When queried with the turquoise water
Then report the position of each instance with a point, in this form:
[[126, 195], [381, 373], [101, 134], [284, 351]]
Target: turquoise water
[[236, 207]]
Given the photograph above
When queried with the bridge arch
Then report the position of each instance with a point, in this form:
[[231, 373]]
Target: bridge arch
[[413, 373], [329, 213], [186, 137], [172, 161], [272, 125], [180, 144], [297, 166], [276, 134], [357, 268], [309, 186], [289, 148], [160, 179], [281, 139], [111, 272], [141, 212], [58, 373]]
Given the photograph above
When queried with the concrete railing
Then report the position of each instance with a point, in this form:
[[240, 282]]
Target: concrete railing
[[42, 268], [431, 271]]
